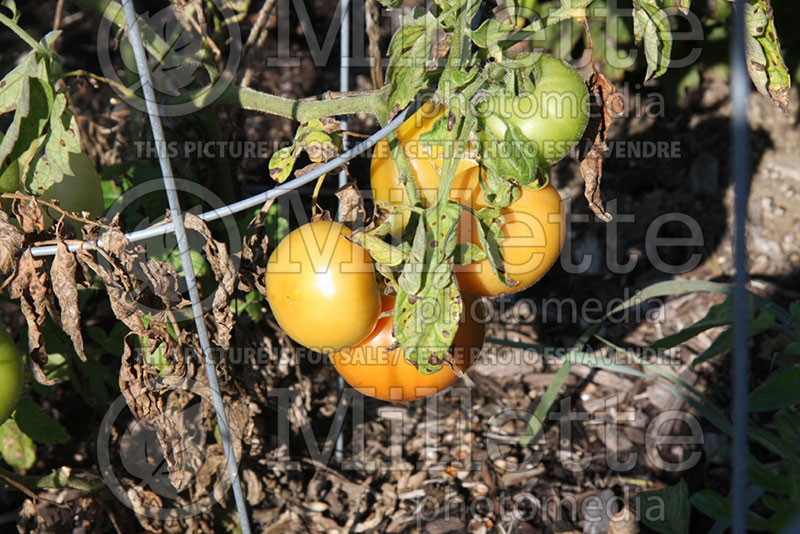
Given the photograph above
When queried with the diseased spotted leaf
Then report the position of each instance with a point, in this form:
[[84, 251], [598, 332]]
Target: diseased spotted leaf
[[764, 60], [425, 324], [409, 54], [17, 449], [281, 163]]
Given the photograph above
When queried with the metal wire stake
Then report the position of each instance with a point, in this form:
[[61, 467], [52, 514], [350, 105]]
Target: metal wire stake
[[344, 86], [740, 157], [153, 113]]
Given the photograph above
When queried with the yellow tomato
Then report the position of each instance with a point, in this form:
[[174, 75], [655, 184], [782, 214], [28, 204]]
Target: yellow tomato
[[426, 165], [534, 229], [377, 366], [322, 287]]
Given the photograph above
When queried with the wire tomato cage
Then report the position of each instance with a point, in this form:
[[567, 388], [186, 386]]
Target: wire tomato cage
[[740, 89]]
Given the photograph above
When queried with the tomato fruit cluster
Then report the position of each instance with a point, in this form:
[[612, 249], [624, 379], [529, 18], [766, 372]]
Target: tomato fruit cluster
[[323, 292], [533, 225], [377, 366], [10, 375]]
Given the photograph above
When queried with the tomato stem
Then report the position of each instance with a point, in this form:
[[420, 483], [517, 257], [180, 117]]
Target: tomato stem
[[22, 34]]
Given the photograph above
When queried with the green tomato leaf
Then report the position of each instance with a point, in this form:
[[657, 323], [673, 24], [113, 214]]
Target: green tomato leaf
[[442, 221], [277, 226], [674, 501], [11, 6], [794, 311], [519, 158], [651, 24], [766, 478], [410, 279], [156, 357], [381, 251], [17, 449], [466, 253], [499, 192], [491, 33], [98, 377], [437, 135], [391, 4], [13, 91], [491, 236], [39, 426], [409, 57], [457, 79]]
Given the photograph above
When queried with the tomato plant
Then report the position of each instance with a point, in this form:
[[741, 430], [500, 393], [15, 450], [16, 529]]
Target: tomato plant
[[322, 287], [426, 165], [551, 117], [10, 375], [533, 229], [377, 366]]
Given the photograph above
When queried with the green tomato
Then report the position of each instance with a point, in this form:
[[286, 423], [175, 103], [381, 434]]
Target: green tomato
[[9, 178], [79, 190], [552, 117], [9, 183], [10, 375]]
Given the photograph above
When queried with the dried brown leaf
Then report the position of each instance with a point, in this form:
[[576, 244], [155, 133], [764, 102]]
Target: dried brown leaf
[[29, 215], [63, 273], [593, 144], [29, 285], [330, 125], [307, 169], [11, 241], [225, 273], [351, 204], [254, 253], [117, 289]]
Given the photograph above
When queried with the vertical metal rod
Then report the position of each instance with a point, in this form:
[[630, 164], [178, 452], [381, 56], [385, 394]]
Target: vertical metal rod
[[740, 171], [344, 85], [153, 113]]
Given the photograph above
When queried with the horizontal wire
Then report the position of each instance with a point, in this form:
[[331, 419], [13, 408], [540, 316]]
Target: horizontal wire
[[250, 202]]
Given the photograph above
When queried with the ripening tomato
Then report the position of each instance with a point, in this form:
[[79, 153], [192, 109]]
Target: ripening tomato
[[322, 287], [10, 375], [426, 165], [552, 117], [377, 367], [534, 228]]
